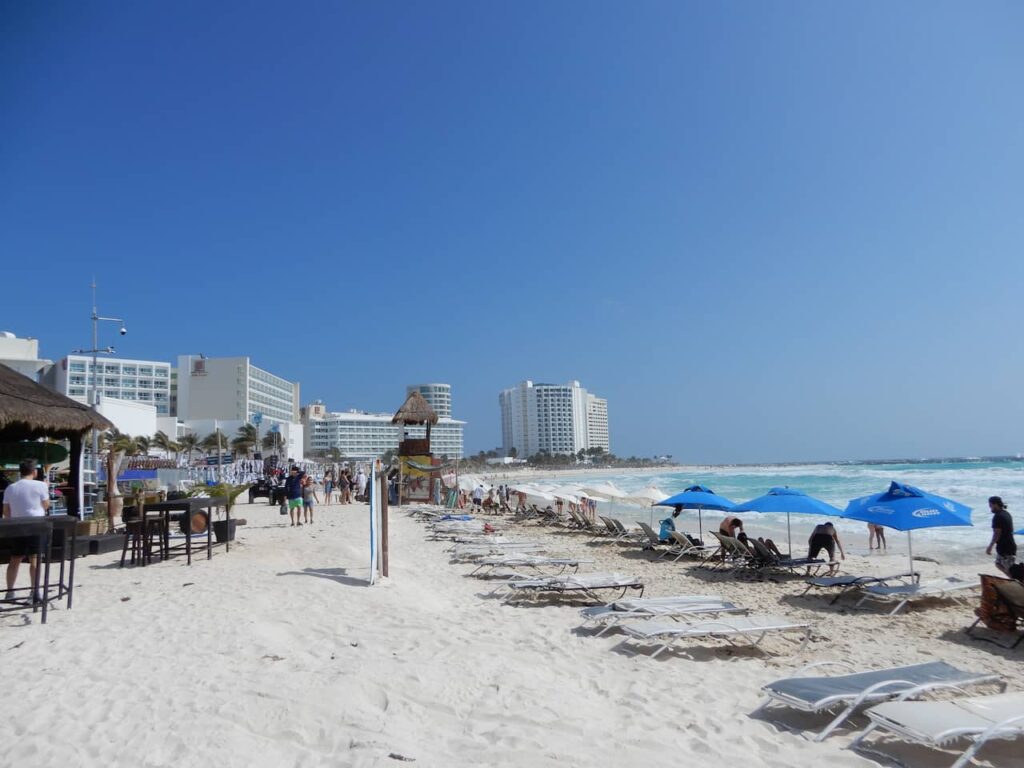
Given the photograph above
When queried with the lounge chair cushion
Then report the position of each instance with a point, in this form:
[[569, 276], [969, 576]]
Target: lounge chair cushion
[[940, 722]]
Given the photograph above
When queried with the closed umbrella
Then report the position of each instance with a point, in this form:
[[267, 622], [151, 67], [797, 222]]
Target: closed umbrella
[[906, 508], [700, 498], [788, 500], [646, 497]]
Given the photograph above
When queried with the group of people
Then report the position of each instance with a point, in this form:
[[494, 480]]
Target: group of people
[[346, 486], [825, 538], [300, 490]]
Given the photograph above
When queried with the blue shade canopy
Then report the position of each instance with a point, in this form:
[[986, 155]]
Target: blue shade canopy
[[698, 497], [907, 508], [788, 500], [1019, 533]]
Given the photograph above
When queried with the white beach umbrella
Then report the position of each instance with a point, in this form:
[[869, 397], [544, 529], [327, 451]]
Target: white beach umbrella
[[647, 497]]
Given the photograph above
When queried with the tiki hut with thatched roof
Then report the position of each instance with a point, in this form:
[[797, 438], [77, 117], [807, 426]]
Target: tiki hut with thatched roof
[[29, 411], [415, 410]]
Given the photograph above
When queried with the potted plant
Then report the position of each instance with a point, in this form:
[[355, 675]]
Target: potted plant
[[223, 530]]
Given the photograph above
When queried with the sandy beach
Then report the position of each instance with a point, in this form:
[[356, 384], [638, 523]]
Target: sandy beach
[[278, 654]]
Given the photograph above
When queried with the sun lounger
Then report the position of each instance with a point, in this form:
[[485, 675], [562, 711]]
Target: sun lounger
[[847, 582], [515, 560], [650, 541], [476, 551], [683, 547], [735, 554], [817, 693], [938, 724], [585, 584], [681, 607], [765, 559], [735, 630], [951, 586]]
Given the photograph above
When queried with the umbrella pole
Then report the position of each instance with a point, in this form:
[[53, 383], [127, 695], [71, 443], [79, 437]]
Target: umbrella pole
[[700, 526], [789, 536], [910, 549]]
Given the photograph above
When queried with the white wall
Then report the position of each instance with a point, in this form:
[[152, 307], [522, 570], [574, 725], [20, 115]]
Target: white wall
[[132, 418]]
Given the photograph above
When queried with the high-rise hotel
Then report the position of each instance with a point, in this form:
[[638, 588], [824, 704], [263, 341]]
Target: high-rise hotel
[[552, 418]]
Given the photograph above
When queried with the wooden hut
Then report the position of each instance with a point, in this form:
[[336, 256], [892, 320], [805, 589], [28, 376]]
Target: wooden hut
[[415, 410], [414, 453], [29, 411]]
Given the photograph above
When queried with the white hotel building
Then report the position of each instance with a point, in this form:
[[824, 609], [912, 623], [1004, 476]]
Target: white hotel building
[[361, 436], [148, 382], [552, 418]]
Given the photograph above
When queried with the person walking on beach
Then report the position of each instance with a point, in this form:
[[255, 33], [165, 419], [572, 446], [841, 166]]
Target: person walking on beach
[[876, 533], [360, 483], [1002, 535], [344, 487], [308, 497], [328, 486], [825, 537], [25, 498], [478, 498], [293, 493]]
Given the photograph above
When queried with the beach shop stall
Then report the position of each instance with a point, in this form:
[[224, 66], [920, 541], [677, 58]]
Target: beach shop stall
[[29, 415], [30, 411]]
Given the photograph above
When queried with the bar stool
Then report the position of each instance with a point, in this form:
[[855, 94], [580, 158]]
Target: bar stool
[[141, 531]]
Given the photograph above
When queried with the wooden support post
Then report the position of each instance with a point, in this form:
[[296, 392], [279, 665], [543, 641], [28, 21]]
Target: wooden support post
[[384, 527], [74, 500]]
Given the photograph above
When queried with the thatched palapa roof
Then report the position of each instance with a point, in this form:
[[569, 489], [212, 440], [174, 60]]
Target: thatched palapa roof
[[415, 410], [28, 409]]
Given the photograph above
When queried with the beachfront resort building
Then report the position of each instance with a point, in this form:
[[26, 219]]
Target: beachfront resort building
[[233, 389], [552, 418], [146, 382], [361, 436], [22, 355]]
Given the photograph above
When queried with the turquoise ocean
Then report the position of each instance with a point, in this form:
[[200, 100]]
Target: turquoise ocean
[[969, 481]]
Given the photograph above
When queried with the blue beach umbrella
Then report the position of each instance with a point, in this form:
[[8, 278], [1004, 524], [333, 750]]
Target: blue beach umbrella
[[788, 500], [700, 498], [906, 508]]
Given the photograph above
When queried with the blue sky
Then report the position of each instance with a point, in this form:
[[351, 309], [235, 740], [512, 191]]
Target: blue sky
[[765, 232]]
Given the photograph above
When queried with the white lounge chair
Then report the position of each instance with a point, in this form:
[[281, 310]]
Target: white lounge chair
[[588, 584], [750, 629], [940, 723], [681, 607], [847, 582], [952, 586], [819, 693], [683, 547], [517, 560], [475, 551]]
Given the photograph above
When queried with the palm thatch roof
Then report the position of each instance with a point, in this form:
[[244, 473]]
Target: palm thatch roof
[[415, 410], [28, 410]]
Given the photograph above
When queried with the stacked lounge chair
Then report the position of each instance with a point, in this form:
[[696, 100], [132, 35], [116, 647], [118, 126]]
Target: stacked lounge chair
[[588, 585], [951, 586], [859, 688], [679, 608], [939, 724], [735, 630]]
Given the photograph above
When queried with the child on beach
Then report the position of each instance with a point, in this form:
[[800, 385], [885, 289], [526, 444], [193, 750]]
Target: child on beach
[[308, 497]]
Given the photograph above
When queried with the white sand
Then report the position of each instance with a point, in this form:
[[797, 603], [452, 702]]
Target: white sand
[[277, 654]]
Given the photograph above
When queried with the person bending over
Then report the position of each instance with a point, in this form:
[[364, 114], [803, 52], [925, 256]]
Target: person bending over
[[825, 537]]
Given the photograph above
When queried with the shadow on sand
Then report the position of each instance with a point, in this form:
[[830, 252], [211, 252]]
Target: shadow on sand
[[339, 575]]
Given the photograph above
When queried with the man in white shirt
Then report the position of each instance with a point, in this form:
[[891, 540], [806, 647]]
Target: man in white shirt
[[25, 498]]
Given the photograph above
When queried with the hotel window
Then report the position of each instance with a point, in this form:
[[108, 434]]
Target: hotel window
[[145, 396], [77, 367], [111, 393], [109, 368], [76, 392], [129, 370], [145, 370]]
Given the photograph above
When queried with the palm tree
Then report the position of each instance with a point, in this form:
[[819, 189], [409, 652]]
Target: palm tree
[[273, 441], [214, 441], [246, 439], [162, 442], [188, 443], [143, 444], [115, 440]]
